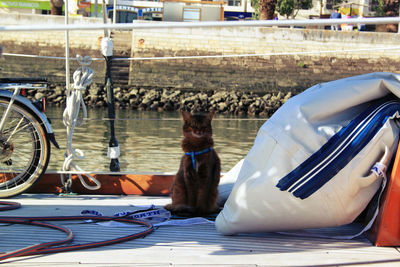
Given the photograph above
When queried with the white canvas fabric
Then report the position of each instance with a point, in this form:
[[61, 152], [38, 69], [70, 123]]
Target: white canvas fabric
[[313, 163]]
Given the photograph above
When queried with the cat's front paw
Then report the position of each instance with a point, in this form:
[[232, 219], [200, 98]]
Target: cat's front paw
[[170, 207], [208, 211], [181, 210]]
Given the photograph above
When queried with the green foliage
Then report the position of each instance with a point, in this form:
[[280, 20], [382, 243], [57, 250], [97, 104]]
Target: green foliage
[[291, 7], [285, 7], [337, 2], [379, 7], [256, 5]]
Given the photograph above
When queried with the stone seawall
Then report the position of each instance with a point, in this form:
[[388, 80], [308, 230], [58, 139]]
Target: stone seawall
[[48, 44], [147, 99], [289, 61]]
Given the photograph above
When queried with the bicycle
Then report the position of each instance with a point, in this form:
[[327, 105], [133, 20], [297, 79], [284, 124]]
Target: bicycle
[[25, 135]]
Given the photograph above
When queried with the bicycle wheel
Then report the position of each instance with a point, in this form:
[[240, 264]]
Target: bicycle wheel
[[24, 150]]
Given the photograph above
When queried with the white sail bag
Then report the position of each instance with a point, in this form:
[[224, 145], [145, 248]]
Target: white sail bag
[[318, 161]]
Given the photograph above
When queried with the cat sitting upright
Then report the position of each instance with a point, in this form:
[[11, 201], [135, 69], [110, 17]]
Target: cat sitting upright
[[195, 188]]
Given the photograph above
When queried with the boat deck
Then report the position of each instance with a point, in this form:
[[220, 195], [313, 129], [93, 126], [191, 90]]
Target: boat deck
[[198, 245]]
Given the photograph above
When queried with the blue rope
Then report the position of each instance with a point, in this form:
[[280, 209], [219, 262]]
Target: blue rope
[[193, 154]]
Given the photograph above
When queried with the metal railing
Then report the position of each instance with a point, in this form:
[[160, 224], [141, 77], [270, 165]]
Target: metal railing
[[163, 24]]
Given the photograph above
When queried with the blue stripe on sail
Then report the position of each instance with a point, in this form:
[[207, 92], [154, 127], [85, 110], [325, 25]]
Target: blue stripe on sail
[[333, 156], [323, 154], [340, 144]]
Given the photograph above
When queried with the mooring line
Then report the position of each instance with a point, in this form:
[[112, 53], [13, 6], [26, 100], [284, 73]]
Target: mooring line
[[221, 56]]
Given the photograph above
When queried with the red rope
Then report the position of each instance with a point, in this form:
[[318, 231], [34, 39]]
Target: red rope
[[51, 247], [9, 205], [35, 248]]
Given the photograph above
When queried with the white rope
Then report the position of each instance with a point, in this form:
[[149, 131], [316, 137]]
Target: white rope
[[83, 77], [223, 56], [266, 54]]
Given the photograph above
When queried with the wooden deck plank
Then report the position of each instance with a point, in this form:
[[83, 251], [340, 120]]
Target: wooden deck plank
[[199, 245]]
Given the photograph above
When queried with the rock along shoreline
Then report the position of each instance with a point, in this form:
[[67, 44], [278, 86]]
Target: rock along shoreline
[[168, 99]]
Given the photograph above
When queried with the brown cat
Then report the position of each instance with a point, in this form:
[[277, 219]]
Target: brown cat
[[195, 188]]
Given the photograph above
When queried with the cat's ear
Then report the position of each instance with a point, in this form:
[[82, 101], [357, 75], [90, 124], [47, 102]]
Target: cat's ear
[[185, 115]]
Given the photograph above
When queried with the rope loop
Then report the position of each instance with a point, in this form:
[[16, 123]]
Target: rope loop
[[84, 61], [83, 77]]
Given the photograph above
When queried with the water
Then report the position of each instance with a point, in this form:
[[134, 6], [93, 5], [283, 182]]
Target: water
[[149, 141]]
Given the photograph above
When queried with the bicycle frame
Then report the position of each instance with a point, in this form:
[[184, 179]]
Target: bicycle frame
[[15, 97]]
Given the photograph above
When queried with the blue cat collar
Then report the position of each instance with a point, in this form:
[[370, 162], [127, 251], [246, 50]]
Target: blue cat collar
[[193, 154]]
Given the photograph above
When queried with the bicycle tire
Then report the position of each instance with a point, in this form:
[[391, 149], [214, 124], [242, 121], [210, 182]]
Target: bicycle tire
[[25, 155]]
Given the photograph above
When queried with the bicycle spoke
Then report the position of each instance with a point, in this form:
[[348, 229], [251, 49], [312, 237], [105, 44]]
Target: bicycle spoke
[[24, 150], [18, 129]]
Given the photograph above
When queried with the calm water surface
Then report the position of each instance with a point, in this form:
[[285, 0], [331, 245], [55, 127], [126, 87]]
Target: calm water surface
[[149, 141]]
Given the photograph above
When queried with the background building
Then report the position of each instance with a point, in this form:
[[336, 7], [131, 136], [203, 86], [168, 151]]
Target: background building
[[180, 10]]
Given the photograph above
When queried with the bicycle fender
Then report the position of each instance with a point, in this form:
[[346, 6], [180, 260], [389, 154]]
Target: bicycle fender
[[26, 103]]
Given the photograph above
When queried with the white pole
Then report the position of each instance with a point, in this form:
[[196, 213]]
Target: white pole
[[106, 32], [115, 12], [67, 74], [96, 8]]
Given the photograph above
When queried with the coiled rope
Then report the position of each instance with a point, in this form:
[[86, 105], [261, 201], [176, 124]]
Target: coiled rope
[[9, 205], [54, 246], [83, 77]]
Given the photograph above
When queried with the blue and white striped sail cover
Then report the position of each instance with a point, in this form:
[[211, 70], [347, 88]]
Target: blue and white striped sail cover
[[310, 165], [340, 149]]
